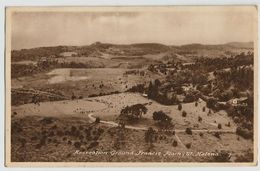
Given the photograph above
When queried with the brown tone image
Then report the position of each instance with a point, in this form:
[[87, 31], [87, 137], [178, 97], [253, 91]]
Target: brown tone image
[[140, 84]]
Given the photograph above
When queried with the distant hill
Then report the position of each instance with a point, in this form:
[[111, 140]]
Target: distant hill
[[154, 51], [246, 45]]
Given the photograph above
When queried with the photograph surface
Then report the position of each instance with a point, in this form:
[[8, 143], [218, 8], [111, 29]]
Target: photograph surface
[[175, 85]]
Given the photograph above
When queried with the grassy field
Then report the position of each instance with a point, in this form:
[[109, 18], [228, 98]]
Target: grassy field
[[83, 82], [44, 132]]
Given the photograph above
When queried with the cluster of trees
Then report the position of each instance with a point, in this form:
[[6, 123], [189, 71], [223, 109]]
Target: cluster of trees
[[140, 88], [240, 77], [18, 70], [212, 64], [162, 119], [195, 77], [134, 112], [149, 136], [36, 53], [154, 92]]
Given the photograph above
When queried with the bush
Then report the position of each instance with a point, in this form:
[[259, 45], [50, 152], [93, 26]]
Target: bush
[[81, 127], [97, 120], [217, 134], [199, 119], [184, 113], [179, 107], [188, 131], [173, 132], [162, 118], [93, 144], [47, 120], [60, 133], [188, 145], [73, 129], [77, 145], [201, 134], [196, 104], [245, 133], [219, 126], [175, 143], [204, 109], [228, 124]]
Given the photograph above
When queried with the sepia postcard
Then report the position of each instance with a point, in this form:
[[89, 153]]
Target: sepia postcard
[[131, 86]]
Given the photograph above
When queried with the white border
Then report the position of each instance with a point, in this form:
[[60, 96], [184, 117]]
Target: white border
[[5, 3]]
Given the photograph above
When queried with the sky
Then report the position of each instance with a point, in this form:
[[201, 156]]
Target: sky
[[172, 26]]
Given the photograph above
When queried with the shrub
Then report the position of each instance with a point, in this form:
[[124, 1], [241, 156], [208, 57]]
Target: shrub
[[81, 127], [204, 109], [47, 120], [149, 135], [38, 146], [219, 126], [93, 144], [179, 107], [60, 133], [162, 118], [73, 129], [201, 134], [97, 120], [81, 137], [51, 134], [184, 113], [199, 119], [34, 138], [77, 145], [54, 127], [188, 145], [228, 124], [175, 143], [217, 134], [196, 104], [188, 131], [245, 133]]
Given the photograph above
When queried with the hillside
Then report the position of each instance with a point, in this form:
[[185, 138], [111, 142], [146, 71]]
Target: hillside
[[151, 51]]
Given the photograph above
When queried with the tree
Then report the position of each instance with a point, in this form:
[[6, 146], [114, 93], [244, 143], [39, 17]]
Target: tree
[[184, 113], [150, 136], [199, 118], [175, 143], [153, 89], [133, 112], [179, 106], [188, 131], [211, 103], [97, 120], [188, 145], [162, 118]]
